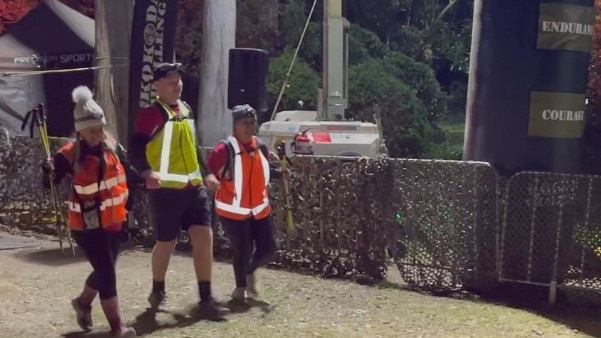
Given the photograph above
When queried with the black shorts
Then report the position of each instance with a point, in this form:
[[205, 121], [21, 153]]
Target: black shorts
[[174, 210]]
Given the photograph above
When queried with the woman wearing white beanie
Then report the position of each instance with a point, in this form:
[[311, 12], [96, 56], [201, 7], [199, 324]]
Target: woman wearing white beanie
[[97, 207]]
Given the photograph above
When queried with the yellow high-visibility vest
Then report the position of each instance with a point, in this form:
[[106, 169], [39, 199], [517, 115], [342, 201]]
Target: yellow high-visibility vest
[[172, 151]]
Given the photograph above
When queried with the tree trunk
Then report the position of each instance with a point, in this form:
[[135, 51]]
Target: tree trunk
[[112, 52], [219, 35]]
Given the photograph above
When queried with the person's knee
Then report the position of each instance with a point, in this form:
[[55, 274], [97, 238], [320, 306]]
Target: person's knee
[[92, 281], [240, 245], [243, 249], [165, 246], [268, 243], [201, 235], [167, 235], [166, 243], [246, 247], [166, 225], [107, 293], [107, 285], [269, 248]]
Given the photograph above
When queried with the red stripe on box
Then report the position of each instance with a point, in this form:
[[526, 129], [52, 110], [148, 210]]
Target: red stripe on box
[[322, 138]]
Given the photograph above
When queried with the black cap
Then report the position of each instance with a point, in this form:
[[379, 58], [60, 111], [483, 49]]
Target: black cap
[[163, 69], [242, 111]]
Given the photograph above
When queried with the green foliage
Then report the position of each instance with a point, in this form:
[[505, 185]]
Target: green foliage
[[302, 85], [404, 119], [408, 56], [420, 77], [292, 21], [257, 24], [188, 40], [364, 44], [447, 150], [451, 145]]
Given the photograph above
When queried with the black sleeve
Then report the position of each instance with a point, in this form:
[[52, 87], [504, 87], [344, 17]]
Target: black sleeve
[[134, 180], [274, 168], [62, 168], [200, 154], [274, 172], [137, 152], [132, 174]]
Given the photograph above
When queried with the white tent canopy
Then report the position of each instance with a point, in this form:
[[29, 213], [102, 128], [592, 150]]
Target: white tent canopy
[[51, 36]]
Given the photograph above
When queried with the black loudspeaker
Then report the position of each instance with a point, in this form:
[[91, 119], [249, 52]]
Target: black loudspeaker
[[246, 81]]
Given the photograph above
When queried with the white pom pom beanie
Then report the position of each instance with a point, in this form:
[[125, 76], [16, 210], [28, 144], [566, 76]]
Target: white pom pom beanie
[[87, 112]]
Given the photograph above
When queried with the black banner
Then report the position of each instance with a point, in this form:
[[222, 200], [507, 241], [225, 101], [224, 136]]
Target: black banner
[[526, 93], [152, 42]]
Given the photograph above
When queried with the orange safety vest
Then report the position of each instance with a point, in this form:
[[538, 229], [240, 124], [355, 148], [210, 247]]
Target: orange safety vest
[[104, 196], [245, 194]]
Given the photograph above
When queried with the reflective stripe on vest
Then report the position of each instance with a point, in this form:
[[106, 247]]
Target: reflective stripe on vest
[[106, 195], [166, 152], [95, 187], [109, 202], [163, 164], [238, 179]]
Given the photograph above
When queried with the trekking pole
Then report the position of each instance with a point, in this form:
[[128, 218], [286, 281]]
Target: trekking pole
[[60, 216], [37, 116], [284, 162]]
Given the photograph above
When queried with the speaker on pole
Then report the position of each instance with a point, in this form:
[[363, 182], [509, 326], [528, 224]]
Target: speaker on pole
[[247, 75]]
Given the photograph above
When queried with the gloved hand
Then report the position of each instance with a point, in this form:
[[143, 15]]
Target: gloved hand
[[212, 183], [48, 165], [278, 173], [153, 179]]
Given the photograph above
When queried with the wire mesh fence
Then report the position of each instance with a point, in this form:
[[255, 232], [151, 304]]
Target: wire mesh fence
[[446, 225]]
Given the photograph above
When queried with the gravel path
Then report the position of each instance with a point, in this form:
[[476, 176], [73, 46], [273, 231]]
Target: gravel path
[[37, 283]]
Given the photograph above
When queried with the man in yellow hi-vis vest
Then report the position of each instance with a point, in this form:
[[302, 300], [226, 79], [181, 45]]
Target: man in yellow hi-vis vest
[[164, 148]]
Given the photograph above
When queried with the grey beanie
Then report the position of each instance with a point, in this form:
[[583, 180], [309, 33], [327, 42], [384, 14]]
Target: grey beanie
[[87, 112]]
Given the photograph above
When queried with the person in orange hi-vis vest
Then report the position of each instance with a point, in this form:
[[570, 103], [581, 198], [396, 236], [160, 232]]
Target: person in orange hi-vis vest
[[242, 202], [97, 206]]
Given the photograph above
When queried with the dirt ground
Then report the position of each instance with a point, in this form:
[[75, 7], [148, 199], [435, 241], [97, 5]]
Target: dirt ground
[[37, 283]]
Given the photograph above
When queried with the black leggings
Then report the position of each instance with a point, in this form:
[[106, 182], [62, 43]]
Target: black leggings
[[244, 236], [102, 249]]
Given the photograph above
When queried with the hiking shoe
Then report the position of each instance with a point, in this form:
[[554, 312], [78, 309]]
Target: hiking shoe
[[212, 310], [157, 299], [83, 314], [239, 294], [125, 332], [251, 285]]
